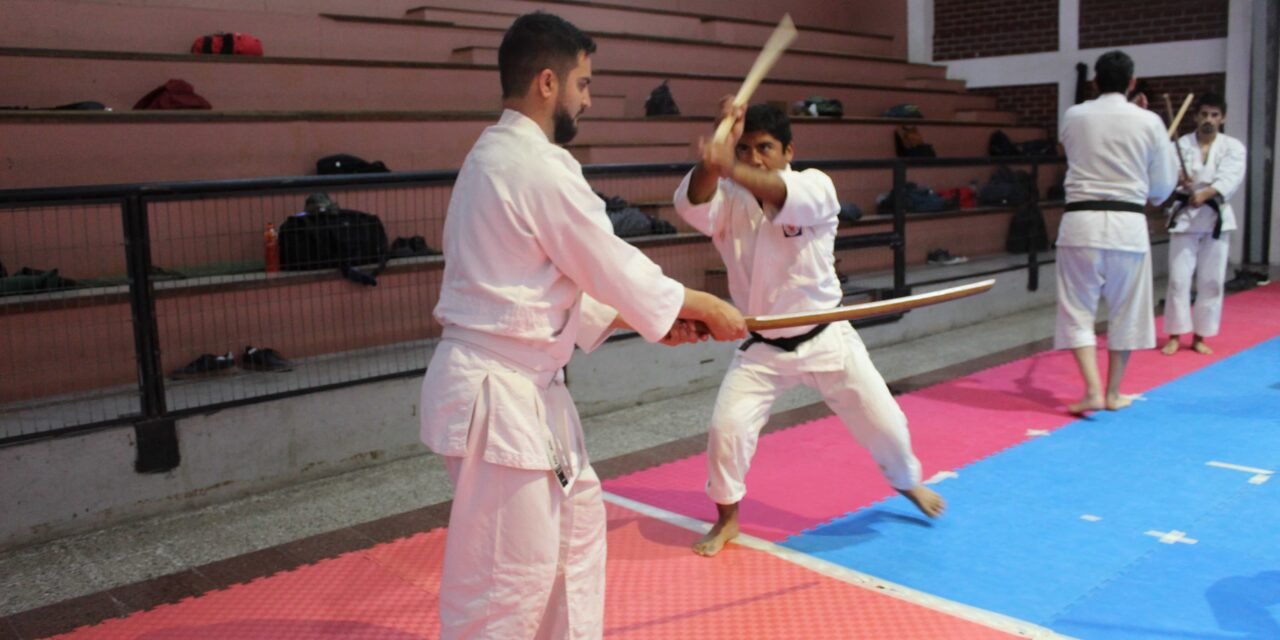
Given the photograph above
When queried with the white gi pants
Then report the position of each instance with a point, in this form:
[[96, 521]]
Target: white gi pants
[[857, 394], [1199, 254], [522, 559], [1123, 279]]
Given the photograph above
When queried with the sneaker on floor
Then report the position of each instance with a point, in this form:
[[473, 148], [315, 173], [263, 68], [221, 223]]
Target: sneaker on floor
[[207, 365], [942, 256], [257, 359]]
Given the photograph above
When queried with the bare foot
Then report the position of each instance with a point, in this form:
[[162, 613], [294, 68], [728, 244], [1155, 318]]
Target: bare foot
[[1201, 348], [1086, 404], [724, 530], [926, 500], [1119, 401], [716, 538], [1171, 347]]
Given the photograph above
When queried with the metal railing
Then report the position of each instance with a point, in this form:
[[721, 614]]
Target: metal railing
[[179, 275]]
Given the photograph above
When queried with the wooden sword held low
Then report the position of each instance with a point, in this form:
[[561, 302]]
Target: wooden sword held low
[[867, 309], [783, 35]]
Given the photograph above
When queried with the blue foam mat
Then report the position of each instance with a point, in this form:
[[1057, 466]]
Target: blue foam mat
[[1014, 541]]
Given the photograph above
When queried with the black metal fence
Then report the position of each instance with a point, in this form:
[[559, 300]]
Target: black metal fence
[[138, 304]]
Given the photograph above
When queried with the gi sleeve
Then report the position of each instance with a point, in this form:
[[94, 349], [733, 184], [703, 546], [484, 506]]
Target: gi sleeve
[[593, 323], [708, 218], [1230, 170], [570, 224], [1162, 168], [811, 199]]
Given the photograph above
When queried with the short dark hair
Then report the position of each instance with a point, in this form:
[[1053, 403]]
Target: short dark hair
[[1211, 99], [537, 41], [769, 119], [1113, 71]]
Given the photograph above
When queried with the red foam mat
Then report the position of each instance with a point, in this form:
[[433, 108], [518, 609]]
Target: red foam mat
[[657, 588], [809, 474]]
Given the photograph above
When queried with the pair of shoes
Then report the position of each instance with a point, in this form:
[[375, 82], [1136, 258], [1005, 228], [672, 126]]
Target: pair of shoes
[[1246, 279], [256, 359], [207, 365], [411, 247], [942, 256]]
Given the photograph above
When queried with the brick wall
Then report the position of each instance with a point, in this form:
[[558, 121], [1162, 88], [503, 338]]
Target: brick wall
[[981, 28], [1177, 87], [1035, 104], [1108, 23]]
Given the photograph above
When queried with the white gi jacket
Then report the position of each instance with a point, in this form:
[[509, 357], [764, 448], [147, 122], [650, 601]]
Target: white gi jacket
[[528, 246], [785, 265], [1223, 170], [1116, 151]]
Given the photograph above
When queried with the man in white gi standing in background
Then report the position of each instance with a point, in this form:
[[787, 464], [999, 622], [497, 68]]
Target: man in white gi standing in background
[[529, 251], [1200, 227], [1119, 157], [775, 229]]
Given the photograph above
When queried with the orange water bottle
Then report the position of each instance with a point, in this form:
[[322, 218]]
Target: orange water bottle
[[271, 248]]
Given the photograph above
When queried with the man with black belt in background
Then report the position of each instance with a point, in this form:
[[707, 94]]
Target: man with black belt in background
[[1119, 157]]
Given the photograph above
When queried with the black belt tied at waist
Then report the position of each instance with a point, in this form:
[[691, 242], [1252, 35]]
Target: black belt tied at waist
[[1105, 205], [1182, 199], [787, 344]]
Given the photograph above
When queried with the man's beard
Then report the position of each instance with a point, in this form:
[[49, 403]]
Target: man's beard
[[565, 127], [1208, 129]]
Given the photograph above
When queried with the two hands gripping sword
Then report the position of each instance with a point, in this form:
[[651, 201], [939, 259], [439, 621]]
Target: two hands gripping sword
[[706, 316]]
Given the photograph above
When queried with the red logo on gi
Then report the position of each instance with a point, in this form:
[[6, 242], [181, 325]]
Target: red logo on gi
[[790, 231]]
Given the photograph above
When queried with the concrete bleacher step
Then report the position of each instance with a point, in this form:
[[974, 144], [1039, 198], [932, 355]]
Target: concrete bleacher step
[[631, 152], [857, 186], [48, 77], [648, 53], [49, 148], [487, 56], [986, 115], [462, 17], [942, 84], [633, 20], [26, 23], [605, 105]]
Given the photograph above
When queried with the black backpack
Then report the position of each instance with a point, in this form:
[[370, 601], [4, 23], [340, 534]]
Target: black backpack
[[908, 143], [1007, 187], [346, 163], [1000, 145], [342, 239], [661, 102]]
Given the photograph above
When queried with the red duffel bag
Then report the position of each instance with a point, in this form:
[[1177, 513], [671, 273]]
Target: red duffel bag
[[241, 44]]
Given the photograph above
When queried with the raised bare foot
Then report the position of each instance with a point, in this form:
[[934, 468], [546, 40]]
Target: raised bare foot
[[1085, 405], [926, 500], [1119, 401], [1201, 348], [716, 538], [1171, 347]]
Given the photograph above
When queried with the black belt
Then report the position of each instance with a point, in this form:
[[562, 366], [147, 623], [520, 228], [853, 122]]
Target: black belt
[[1105, 205], [788, 343], [1212, 203]]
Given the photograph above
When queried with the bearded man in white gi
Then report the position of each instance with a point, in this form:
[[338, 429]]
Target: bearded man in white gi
[[775, 229], [533, 267], [1119, 157], [1200, 224]]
